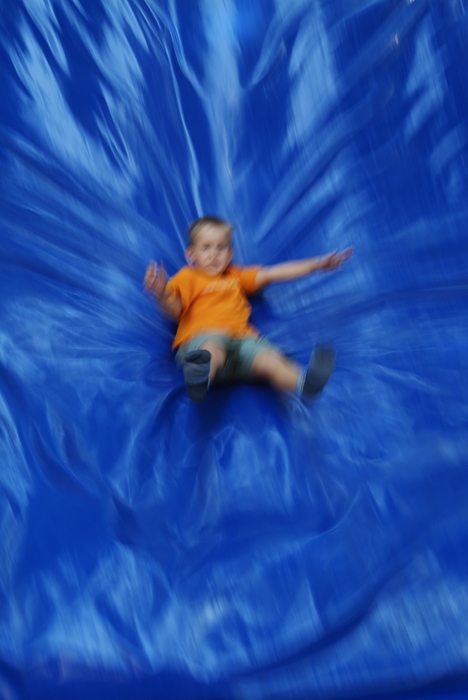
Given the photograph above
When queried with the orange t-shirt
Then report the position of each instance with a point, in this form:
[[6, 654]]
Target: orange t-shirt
[[213, 302]]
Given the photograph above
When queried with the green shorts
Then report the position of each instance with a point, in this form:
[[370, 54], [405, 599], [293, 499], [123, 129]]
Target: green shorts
[[240, 354]]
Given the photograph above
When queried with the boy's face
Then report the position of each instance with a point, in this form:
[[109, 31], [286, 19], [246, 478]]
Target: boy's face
[[211, 250]]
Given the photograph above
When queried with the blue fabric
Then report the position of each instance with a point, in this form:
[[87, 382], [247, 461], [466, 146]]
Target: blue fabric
[[250, 547]]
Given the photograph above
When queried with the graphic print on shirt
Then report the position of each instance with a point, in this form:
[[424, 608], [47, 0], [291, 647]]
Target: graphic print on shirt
[[221, 286]]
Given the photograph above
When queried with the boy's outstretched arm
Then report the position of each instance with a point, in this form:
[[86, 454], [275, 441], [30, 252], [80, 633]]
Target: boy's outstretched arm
[[300, 268], [155, 284]]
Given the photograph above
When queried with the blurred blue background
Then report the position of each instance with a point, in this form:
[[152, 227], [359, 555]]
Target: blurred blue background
[[250, 547]]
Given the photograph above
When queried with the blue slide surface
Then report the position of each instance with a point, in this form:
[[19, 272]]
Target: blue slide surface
[[250, 547]]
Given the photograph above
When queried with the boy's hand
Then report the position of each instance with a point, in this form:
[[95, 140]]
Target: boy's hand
[[155, 280], [155, 284], [299, 268], [335, 259]]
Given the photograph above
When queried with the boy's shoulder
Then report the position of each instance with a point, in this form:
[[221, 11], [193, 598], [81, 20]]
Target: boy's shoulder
[[186, 272]]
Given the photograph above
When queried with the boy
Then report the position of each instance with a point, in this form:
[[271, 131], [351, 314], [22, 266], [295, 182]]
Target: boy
[[208, 299]]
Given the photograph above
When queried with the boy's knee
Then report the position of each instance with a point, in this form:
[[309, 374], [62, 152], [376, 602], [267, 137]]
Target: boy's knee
[[266, 363], [218, 356], [214, 348]]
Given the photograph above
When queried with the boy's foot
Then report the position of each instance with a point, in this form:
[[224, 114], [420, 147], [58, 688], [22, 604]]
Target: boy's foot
[[321, 365], [196, 368]]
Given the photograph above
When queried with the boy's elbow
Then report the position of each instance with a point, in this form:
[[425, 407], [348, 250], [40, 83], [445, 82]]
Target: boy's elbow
[[176, 311], [264, 277], [169, 309], [173, 311]]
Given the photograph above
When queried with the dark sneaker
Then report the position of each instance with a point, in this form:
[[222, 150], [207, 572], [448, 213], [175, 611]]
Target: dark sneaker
[[196, 368], [321, 365]]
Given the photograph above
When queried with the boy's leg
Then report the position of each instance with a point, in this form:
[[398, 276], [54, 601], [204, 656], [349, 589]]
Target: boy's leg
[[218, 356], [200, 365], [288, 376], [273, 367]]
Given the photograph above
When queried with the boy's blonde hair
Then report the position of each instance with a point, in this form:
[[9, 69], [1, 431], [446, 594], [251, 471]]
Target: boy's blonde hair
[[195, 228]]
